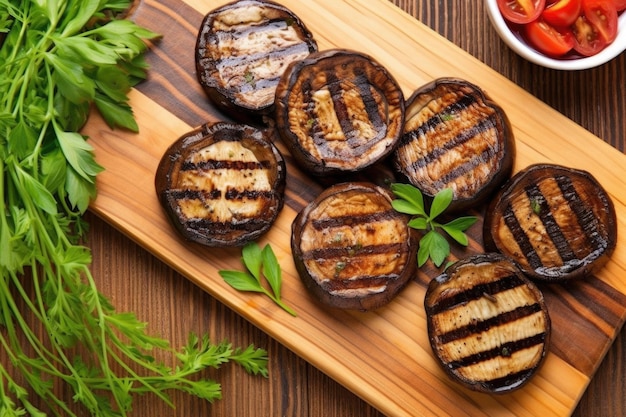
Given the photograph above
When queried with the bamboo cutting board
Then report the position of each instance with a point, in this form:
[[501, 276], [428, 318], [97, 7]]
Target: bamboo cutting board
[[382, 356]]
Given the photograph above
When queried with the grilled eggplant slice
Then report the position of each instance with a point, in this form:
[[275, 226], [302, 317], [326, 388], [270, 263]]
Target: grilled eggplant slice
[[242, 50], [352, 250], [488, 324], [557, 222], [338, 111], [222, 184], [455, 137]]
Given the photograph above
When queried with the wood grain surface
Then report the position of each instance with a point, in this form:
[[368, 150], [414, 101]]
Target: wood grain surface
[[174, 304], [381, 356]]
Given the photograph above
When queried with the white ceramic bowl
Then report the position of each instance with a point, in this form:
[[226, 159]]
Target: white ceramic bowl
[[525, 51]]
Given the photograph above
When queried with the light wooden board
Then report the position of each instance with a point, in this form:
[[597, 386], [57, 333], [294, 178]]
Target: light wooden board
[[382, 356]]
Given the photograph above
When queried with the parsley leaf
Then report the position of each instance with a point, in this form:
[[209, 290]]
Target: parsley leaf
[[433, 245], [57, 59], [259, 263]]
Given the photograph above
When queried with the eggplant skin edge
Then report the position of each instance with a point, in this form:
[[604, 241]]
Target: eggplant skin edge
[[506, 163], [223, 97], [483, 386], [175, 151], [393, 94], [586, 268], [360, 303]]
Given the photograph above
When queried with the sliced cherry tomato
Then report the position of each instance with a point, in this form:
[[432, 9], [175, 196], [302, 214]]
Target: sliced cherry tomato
[[602, 14], [563, 12], [548, 39], [587, 40], [620, 5], [521, 11]]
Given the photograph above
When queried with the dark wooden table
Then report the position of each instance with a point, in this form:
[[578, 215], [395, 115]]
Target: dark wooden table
[[136, 281]]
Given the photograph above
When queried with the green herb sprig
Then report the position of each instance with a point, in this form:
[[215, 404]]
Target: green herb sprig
[[58, 59], [259, 263], [433, 244]]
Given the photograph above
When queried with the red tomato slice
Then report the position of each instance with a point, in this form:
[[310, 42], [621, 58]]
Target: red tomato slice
[[620, 5], [521, 11], [587, 40], [563, 12], [602, 14], [548, 39]]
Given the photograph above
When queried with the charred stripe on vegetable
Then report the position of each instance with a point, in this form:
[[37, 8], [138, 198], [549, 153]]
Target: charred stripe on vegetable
[[229, 194], [515, 223], [476, 292], [469, 168], [351, 220], [455, 137], [482, 126], [505, 349], [331, 253], [586, 219], [243, 48], [224, 228], [521, 237], [484, 325], [214, 164], [552, 228], [342, 109], [488, 324]]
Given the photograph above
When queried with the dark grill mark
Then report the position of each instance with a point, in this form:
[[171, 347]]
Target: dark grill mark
[[236, 194], [353, 220], [521, 238], [469, 166], [229, 194], [314, 128], [484, 325], [464, 136], [585, 216], [371, 107], [213, 228], [352, 251], [506, 383], [355, 141], [476, 292], [549, 223], [214, 164], [356, 283], [193, 194], [506, 349], [437, 119], [334, 86], [256, 29], [217, 38]]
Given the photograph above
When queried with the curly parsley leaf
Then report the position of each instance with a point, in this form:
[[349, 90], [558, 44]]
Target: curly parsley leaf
[[57, 59]]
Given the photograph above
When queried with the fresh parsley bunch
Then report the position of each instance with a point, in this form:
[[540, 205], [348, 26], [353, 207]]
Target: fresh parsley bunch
[[433, 244], [58, 58]]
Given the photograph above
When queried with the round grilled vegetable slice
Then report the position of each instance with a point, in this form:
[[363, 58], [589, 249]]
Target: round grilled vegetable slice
[[222, 184], [338, 111], [488, 324], [242, 50], [352, 250], [455, 137], [557, 223]]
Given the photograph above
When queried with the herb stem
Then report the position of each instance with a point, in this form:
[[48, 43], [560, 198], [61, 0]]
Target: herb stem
[[47, 179], [282, 305]]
